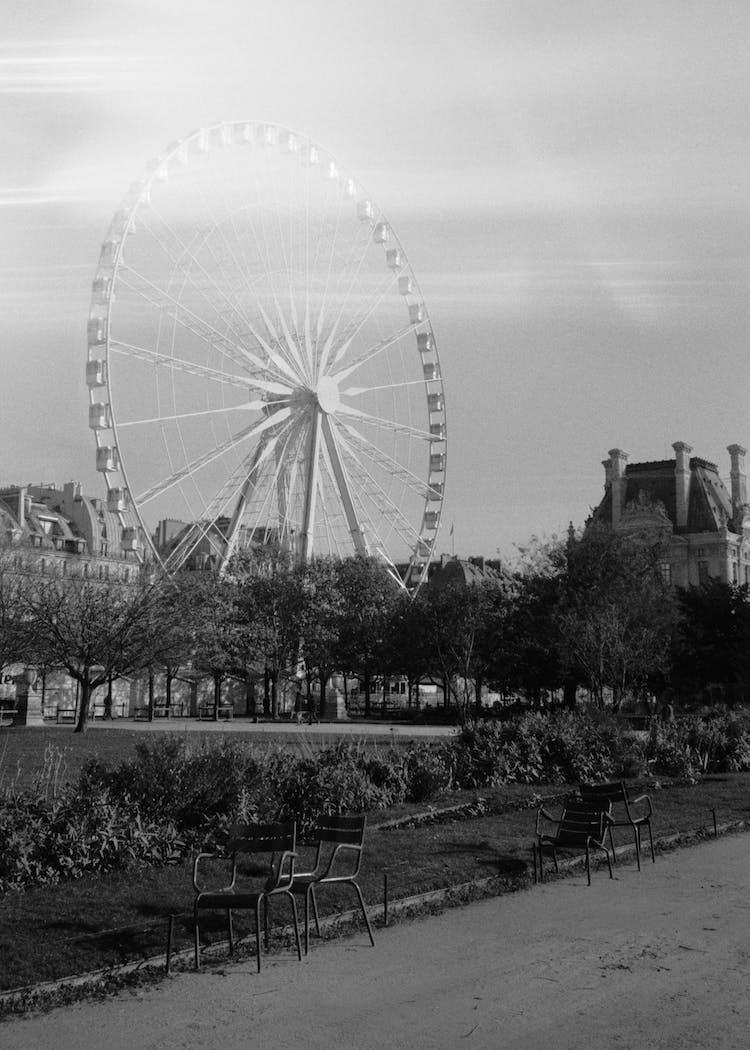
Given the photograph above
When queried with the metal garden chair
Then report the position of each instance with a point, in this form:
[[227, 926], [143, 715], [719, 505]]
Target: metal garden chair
[[624, 813], [579, 826], [339, 842], [261, 864]]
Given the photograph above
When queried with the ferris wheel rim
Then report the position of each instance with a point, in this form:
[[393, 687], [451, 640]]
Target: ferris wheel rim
[[125, 219]]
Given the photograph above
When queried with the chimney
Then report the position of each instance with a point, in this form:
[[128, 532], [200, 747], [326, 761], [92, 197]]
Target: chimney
[[682, 482], [617, 461], [738, 477], [607, 464]]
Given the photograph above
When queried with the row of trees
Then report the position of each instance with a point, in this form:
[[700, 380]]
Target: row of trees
[[592, 610]]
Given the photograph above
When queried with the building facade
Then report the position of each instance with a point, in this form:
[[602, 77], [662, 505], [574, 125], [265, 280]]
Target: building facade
[[705, 525]]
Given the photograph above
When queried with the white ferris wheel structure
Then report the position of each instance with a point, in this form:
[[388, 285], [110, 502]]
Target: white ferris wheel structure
[[261, 365]]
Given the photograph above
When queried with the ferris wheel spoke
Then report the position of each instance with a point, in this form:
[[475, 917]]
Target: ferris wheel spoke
[[179, 364], [392, 425], [329, 351], [184, 255], [208, 457], [187, 318], [254, 406], [290, 361], [377, 494], [388, 463], [371, 351], [358, 322]]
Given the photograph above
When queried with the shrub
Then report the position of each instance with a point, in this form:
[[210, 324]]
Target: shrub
[[427, 771], [44, 841]]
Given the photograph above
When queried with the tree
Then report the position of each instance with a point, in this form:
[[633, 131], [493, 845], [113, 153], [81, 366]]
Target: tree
[[96, 630], [270, 601], [368, 594], [207, 606], [712, 640], [14, 634], [616, 613], [409, 639], [322, 615], [468, 625]]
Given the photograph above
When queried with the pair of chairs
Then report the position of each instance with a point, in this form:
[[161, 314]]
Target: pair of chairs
[[262, 866], [586, 822]]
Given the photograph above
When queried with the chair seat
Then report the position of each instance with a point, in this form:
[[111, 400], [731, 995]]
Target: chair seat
[[227, 899]]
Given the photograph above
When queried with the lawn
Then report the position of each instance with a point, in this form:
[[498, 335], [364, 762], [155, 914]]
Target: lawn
[[58, 931]]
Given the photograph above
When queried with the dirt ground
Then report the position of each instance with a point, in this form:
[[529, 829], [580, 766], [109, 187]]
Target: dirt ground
[[655, 961]]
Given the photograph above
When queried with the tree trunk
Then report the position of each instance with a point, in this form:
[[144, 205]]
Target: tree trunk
[[150, 694], [217, 694], [478, 683], [569, 695], [274, 681], [85, 696], [367, 693], [266, 693], [250, 695]]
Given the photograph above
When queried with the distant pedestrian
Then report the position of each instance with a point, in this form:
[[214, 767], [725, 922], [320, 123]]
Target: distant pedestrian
[[299, 706], [312, 709]]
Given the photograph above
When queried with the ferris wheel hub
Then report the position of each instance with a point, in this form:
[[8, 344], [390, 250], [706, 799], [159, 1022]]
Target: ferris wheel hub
[[328, 396]]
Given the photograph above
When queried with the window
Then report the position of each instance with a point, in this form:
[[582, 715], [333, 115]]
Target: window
[[666, 573]]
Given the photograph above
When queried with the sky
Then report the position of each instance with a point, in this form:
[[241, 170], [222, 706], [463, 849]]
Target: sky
[[570, 182]]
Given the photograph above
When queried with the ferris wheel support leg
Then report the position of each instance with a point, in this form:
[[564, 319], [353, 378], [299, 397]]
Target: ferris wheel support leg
[[342, 482], [239, 509], [311, 485]]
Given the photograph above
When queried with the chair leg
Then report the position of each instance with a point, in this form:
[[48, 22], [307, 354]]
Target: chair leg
[[651, 840], [296, 924], [637, 837], [364, 912], [197, 937], [588, 864], [307, 919], [265, 922], [257, 931], [231, 932], [609, 862], [315, 910], [612, 844], [554, 857]]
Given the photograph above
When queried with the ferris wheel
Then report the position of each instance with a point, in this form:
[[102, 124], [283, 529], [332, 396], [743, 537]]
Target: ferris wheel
[[261, 364]]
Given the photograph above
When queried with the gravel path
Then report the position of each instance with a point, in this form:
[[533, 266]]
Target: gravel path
[[656, 961]]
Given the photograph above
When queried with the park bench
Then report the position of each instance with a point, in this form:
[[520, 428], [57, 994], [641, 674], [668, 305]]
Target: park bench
[[624, 811], [252, 882], [65, 714], [7, 717], [580, 825], [140, 713], [206, 712]]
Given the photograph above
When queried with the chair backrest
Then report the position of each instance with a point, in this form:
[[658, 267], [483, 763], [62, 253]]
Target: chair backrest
[[611, 793], [341, 829], [276, 841], [262, 838], [580, 821]]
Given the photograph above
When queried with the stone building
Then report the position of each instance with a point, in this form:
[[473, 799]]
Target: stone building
[[684, 500], [50, 532]]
